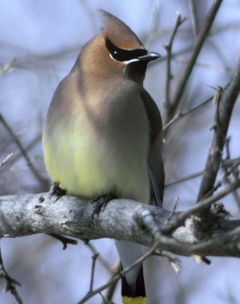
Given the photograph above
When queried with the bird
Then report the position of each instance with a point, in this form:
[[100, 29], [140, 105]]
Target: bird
[[103, 132]]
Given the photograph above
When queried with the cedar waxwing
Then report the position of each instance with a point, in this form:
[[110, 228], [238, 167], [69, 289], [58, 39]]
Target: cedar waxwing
[[103, 133]]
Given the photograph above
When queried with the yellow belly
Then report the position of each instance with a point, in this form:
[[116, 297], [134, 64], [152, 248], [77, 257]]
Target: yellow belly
[[89, 168]]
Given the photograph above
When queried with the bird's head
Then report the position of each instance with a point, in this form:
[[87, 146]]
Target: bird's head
[[116, 51]]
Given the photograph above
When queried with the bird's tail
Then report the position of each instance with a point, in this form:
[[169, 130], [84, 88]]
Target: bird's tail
[[133, 286], [134, 294]]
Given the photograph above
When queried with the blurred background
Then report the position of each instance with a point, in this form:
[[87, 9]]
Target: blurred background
[[39, 43]]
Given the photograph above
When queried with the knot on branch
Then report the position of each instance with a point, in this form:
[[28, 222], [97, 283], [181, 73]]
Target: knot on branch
[[145, 219]]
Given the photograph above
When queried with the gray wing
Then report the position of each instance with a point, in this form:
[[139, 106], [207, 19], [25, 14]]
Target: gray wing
[[155, 157]]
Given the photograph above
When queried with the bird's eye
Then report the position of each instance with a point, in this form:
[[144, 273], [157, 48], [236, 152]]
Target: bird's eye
[[123, 54]]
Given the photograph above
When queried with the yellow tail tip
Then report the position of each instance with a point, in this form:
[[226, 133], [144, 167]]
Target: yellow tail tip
[[135, 300]]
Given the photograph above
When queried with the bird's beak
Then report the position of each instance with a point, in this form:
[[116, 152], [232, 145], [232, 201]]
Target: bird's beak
[[149, 57]]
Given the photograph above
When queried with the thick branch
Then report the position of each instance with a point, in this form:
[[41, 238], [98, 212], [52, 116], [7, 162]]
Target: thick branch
[[224, 110], [120, 219]]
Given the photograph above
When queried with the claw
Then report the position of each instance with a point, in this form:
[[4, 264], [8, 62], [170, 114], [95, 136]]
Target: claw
[[57, 191], [101, 202]]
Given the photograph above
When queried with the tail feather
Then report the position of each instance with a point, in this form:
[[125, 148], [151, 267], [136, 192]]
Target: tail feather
[[129, 252], [138, 290], [138, 300], [133, 286]]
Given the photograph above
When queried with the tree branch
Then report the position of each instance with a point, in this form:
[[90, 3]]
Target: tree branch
[[11, 283], [194, 17], [203, 33], [225, 103], [39, 178], [169, 77], [39, 213], [181, 114]]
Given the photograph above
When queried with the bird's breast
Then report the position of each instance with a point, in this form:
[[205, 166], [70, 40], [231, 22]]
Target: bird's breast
[[102, 148]]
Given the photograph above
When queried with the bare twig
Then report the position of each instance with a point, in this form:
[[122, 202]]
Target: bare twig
[[6, 160], [94, 259], [227, 163], [16, 156], [196, 50], [232, 162], [180, 115], [7, 67], [221, 182], [11, 283], [203, 204], [173, 260], [17, 141], [174, 55], [38, 61], [111, 290], [184, 179], [194, 17], [202, 246], [121, 274], [225, 104], [100, 258], [169, 76], [234, 170]]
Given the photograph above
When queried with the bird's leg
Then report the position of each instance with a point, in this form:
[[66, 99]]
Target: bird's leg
[[64, 240], [101, 202], [56, 190]]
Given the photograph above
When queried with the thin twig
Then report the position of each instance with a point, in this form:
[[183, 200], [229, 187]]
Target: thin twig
[[173, 210], [16, 156], [203, 204], [196, 50], [169, 77], [221, 182], [226, 164], [218, 241], [184, 179], [121, 274], [175, 262], [111, 290], [94, 259], [180, 115], [7, 67], [6, 160], [100, 258], [105, 301], [174, 55], [232, 162], [17, 141], [194, 16], [11, 283], [234, 171]]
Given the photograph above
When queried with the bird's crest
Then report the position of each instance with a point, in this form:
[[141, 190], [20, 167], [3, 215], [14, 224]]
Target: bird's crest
[[119, 33]]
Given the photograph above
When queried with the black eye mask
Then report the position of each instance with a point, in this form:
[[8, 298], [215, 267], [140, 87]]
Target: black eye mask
[[122, 54]]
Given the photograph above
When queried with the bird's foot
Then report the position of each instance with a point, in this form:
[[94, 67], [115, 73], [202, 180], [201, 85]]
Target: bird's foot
[[64, 240], [101, 202], [56, 190]]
